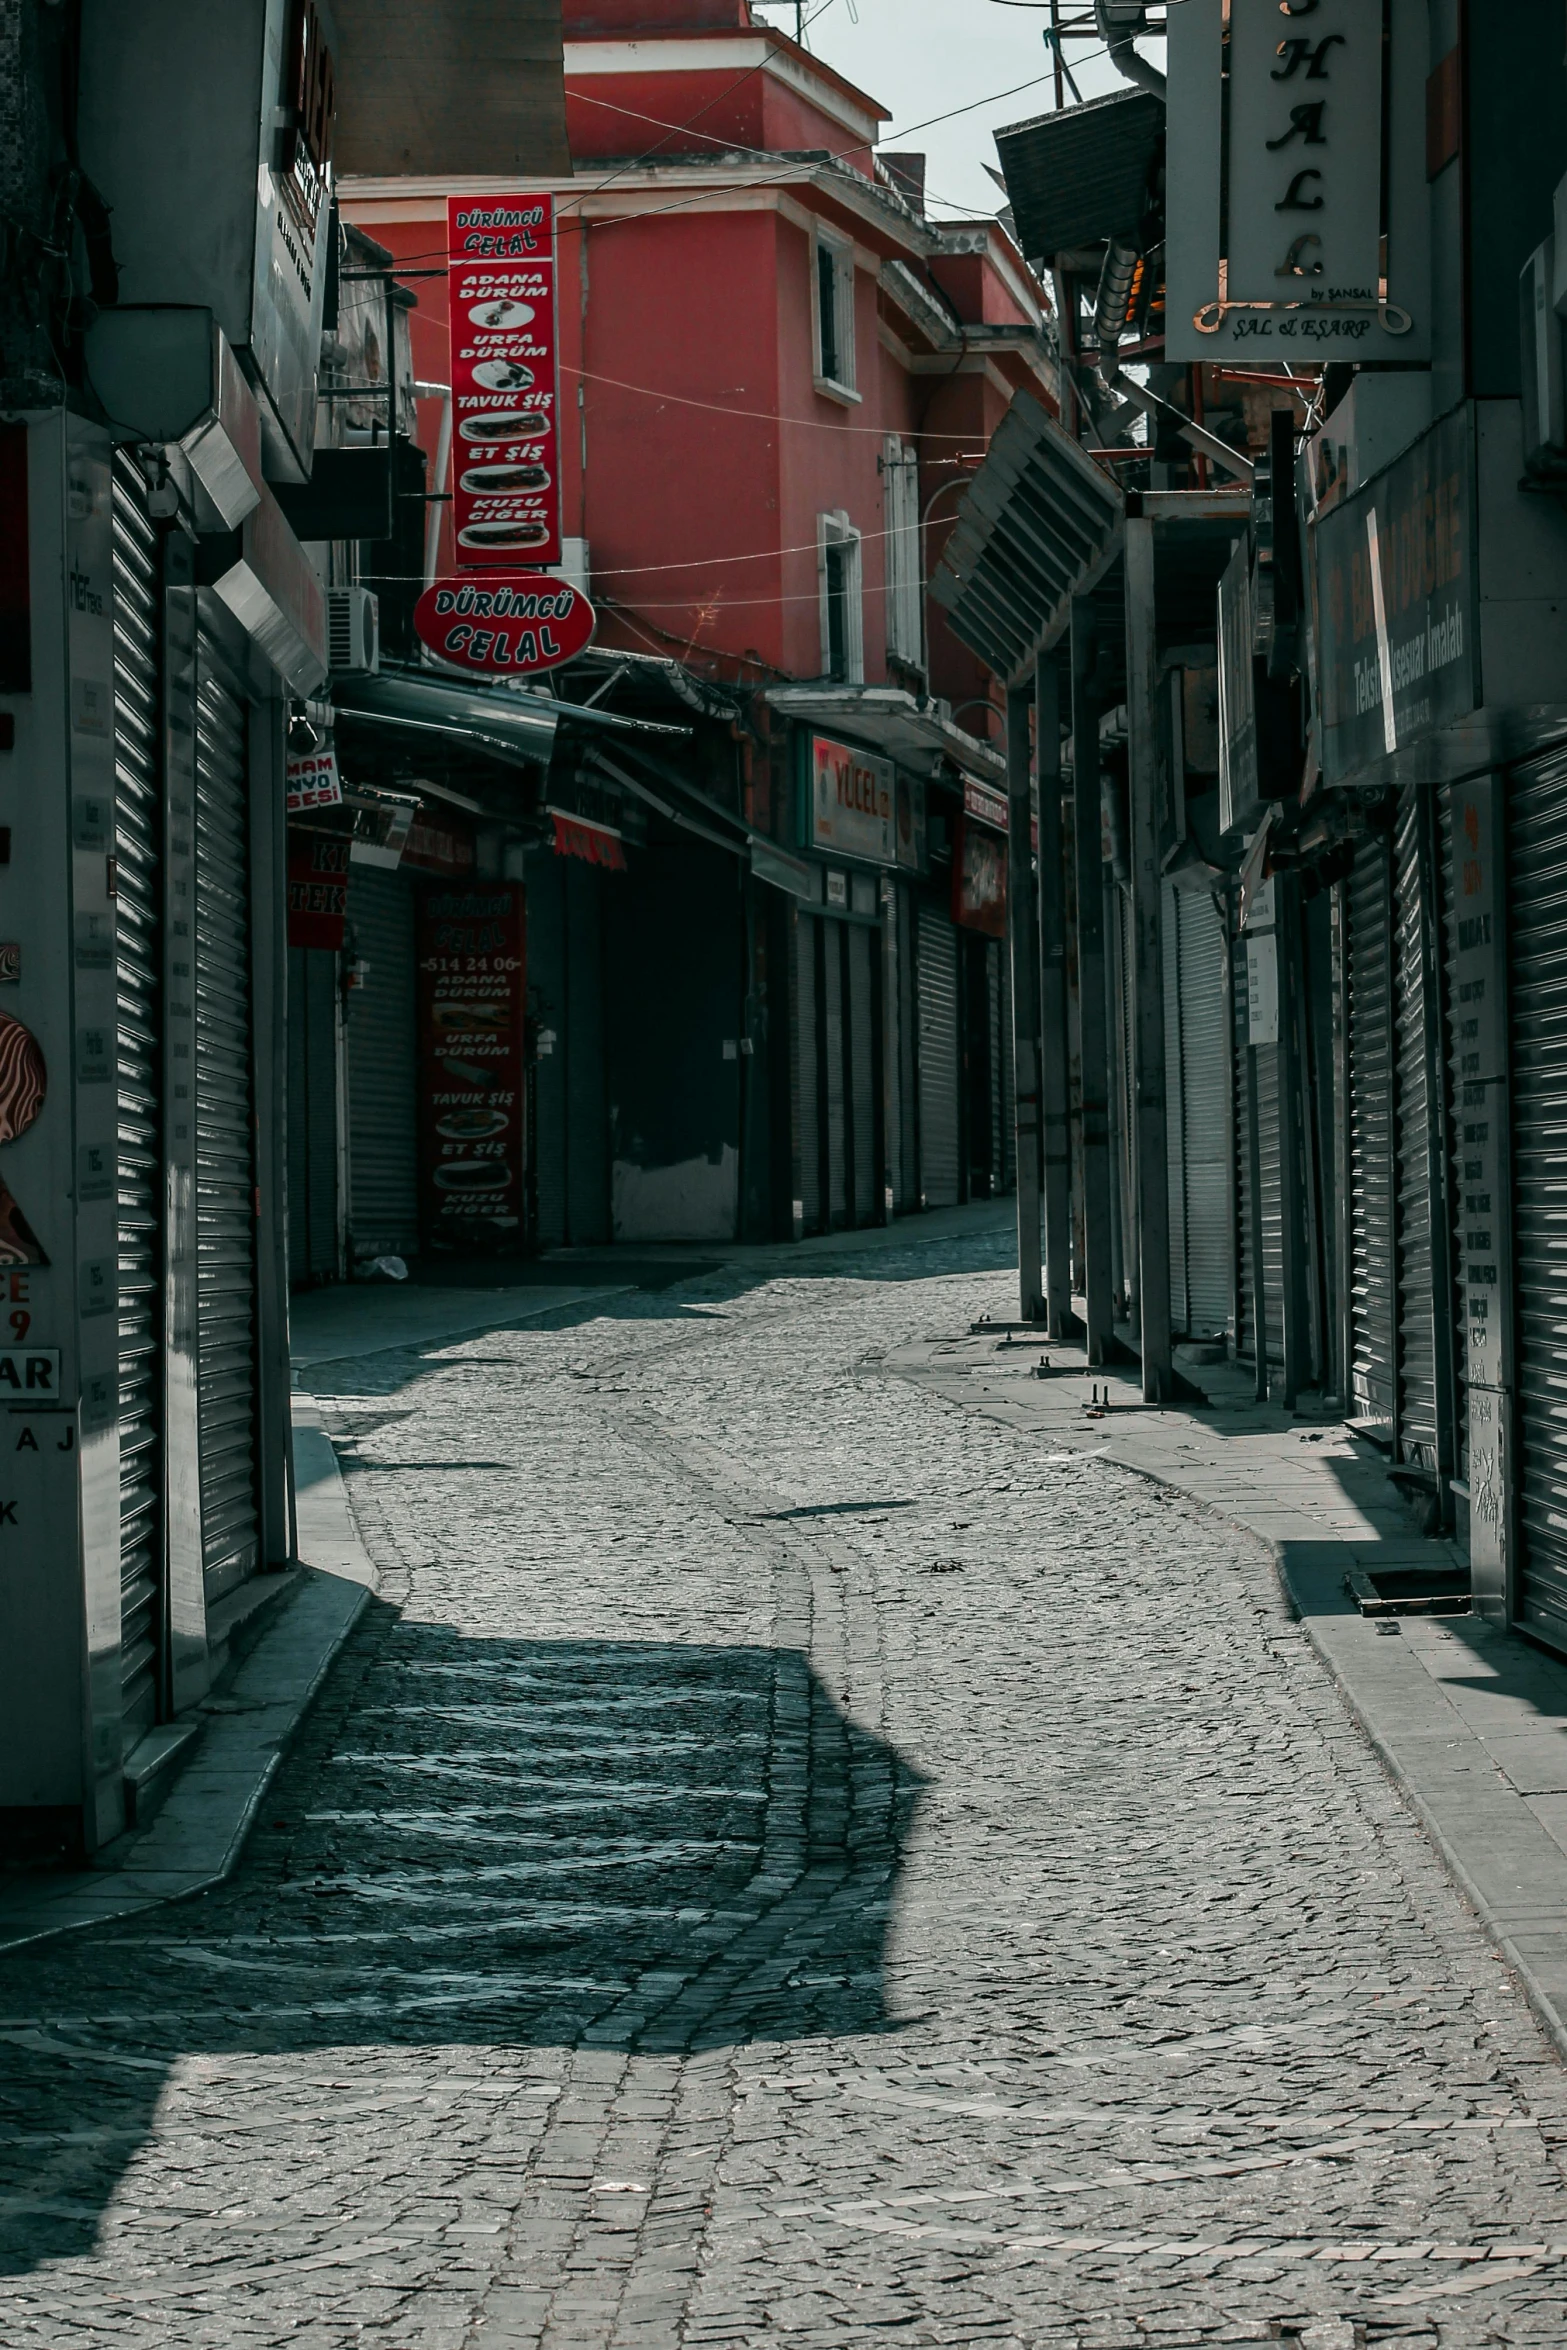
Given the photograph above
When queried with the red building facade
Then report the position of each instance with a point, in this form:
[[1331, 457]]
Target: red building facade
[[774, 365]]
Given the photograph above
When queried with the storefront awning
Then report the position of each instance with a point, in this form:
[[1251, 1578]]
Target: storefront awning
[[918, 734], [1039, 525], [595, 844], [1082, 175], [517, 727]]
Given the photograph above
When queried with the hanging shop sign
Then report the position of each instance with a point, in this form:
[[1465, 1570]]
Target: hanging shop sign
[[979, 876], [472, 1021], [911, 822], [510, 624], [1396, 603], [294, 225], [853, 804], [317, 889], [312, 780], [439, 843], [985, 803], [505, 404], [1296, 180], [595, 844]]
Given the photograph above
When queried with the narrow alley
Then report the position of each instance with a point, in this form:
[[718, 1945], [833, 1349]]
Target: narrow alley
[[784, 1859]]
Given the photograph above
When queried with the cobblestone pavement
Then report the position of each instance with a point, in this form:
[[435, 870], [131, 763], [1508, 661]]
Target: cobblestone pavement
[[788, 1864]]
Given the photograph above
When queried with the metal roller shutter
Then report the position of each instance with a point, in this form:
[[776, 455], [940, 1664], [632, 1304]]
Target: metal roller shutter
[[908, 1058], [383, 1067], [1460, 1307], [1008, 1078], [806, 1085], [938, 1057], [312, 1114], [863, 1069], [1266, 1058], [138, 828], [1416, 1363], [834, 1106], [1175, 1112], [547, 990], [1203, 1123], [1370, 1271], [225, 1135], [1240, 1080], [1537, 988]]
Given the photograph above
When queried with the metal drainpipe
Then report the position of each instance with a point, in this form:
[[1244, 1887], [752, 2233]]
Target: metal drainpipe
[[1123, 53]]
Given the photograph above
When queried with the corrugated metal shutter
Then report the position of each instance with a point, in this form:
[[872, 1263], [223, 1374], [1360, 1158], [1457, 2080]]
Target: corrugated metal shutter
[[1240, 1079], [1266, 1057], [1371, 1326], [1175, 1117], [383, 1067], [908, 1057], [312, 1114], [864, 1063], [1450, 1076], [1008, 1077], [993, 1062], [1202, 1123], [587, 1098], [938, 1057], [225, 1135], [1416, 1363], [834, 1106], [1537, 987], [806, 1076], [138, 851]]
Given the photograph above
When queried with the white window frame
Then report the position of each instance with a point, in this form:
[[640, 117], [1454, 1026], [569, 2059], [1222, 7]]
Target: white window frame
[[837, 531], [840, 386], [900, 483]]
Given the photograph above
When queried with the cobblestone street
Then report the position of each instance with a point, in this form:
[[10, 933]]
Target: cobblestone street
[[785, 1861]]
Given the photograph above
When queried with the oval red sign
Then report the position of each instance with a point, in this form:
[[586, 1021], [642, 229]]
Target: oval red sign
[[505, 623]]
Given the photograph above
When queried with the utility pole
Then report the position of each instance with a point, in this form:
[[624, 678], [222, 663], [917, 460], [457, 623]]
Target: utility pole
[[1054, 1050], [1092, 1055], [1023, 933], [1150, 1157]]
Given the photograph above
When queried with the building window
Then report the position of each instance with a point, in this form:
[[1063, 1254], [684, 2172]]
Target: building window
[[900, 481], [835, 370], [843, 626]]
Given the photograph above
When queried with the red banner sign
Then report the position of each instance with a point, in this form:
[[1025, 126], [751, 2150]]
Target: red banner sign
[[472, 1016], [979, 880], [505, 625], [317, 889], [505, 440]]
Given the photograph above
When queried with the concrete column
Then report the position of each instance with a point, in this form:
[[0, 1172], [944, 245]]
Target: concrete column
[[1091, 983], [1055, 1129], [1153, 1192], [1023, 937]]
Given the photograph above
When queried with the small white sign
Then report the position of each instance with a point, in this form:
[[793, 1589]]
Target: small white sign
[[1262, 989], [30, 1374], [313, 781]]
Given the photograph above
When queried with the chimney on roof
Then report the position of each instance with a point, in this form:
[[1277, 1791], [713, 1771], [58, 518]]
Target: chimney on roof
[[907, 174]]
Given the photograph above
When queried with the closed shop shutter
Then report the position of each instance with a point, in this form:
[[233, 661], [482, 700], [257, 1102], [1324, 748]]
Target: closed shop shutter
[[1460, 1304], [1370, 990], [383, 1067], [806, 1076], [1240, 1081], [1008, 1078], [312, 1115], [225, 1152], [834, 1104], [1537, 987], [1266, 1057], [138, 827], [1198, 1121], [864, 1069], [1175, 1117], [993, 954], [908, 1057], [1416, 1364], [937, 944], [587, 1060]]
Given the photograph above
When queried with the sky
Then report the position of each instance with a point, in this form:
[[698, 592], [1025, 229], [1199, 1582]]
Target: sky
[[927, 57]]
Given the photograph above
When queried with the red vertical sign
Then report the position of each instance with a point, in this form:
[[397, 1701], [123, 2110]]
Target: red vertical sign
[[505, 408], [473, 1001]]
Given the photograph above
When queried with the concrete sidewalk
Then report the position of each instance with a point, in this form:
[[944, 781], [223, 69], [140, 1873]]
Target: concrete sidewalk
[[1470, 1721]]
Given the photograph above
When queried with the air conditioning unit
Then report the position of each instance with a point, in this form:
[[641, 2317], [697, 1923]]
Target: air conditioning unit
[[353, 631]]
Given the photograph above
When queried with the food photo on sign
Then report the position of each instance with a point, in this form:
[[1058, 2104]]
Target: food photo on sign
[[505, 468]]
